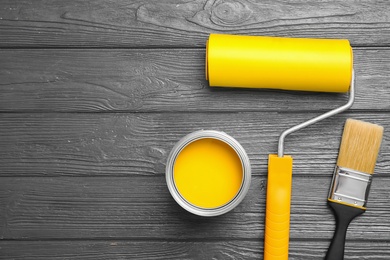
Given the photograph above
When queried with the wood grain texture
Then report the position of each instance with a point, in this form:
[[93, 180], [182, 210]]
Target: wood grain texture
[[139, 144], [76, 184], [216, 250], [125, 23], [161, 80], [142, 208]]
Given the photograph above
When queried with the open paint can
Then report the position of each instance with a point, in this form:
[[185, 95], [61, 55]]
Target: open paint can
[[208, 173]]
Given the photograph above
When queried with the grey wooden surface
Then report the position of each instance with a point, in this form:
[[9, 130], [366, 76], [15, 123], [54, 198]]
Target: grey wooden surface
[[94, 94]]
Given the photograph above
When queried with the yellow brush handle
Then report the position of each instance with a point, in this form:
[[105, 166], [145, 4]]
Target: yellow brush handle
[[277, 222]]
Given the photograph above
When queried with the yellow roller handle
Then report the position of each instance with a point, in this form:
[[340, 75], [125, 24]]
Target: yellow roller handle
[[277, 222]]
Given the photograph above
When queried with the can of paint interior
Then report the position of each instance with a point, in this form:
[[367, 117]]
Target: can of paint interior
[[208, 173]]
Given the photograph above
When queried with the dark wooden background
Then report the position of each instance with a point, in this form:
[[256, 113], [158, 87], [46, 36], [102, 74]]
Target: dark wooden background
[[94, 94]]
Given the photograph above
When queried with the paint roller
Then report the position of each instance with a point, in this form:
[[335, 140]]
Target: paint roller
[[321, 65]]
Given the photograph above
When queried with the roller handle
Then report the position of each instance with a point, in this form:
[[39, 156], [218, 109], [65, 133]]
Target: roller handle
[[277, 222], [344, 215]]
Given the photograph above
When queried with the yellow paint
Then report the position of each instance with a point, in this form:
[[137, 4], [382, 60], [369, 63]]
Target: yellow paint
[[208, 173], [280, 63]]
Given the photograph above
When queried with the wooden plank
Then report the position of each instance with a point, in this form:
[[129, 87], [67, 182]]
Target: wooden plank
[[139, 144], [111, 23], [161, 80], [142, 208], [113, 249]]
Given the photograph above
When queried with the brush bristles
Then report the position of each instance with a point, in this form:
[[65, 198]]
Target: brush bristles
[[360, 146]]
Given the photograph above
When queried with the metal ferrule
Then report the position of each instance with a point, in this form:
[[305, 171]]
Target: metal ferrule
[[350, 187]]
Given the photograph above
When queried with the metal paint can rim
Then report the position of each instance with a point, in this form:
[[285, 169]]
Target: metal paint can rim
[[246, 170]]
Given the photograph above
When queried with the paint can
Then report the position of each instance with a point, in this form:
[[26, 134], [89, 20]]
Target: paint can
[[208, 173]]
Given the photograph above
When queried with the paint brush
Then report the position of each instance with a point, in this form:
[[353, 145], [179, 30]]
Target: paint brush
[[352, 178]]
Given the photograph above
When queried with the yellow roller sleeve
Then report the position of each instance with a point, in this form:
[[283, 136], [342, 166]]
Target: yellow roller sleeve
[[281, 63], [277, 221]]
